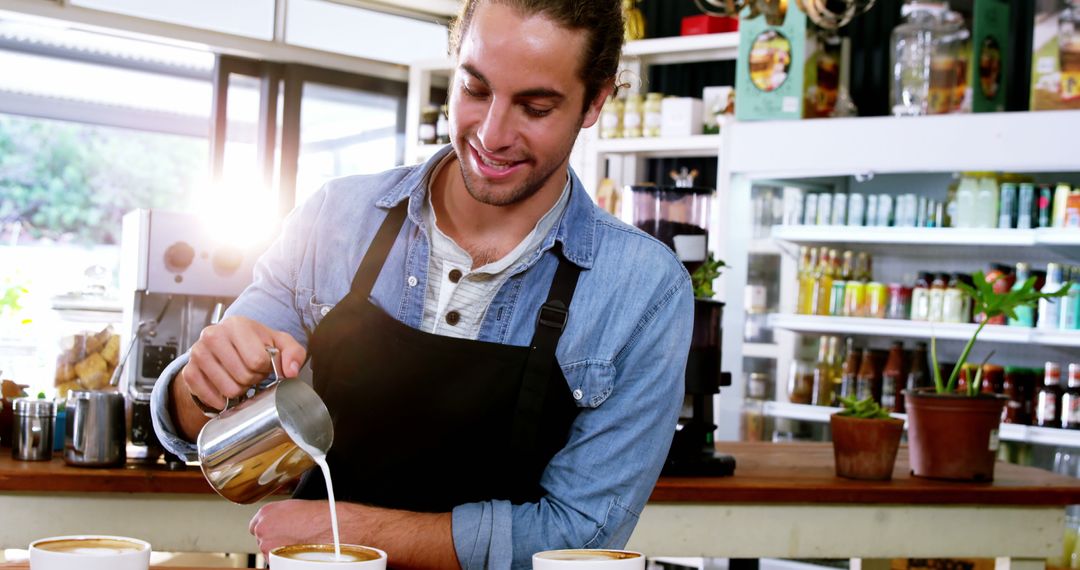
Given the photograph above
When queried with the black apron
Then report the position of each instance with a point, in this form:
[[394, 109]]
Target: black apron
[[424, 422]]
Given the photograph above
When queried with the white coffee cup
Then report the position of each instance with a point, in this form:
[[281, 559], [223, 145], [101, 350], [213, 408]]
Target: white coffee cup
[[597, 559], [89, 552], [313, 556]]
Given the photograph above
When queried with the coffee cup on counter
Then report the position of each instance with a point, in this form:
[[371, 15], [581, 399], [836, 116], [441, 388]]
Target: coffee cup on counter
[[598, 559], [312, 556], [89, 552]]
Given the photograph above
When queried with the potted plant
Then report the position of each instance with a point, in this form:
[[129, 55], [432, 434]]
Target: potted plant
[[865, 439], [951, 434]]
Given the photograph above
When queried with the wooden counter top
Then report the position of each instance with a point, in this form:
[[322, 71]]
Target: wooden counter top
[[766, 473], [804, 473], [56, 476]]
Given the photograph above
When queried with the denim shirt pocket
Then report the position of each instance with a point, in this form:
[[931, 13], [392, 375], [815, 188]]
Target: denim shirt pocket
[[313, 311], [590, 381]]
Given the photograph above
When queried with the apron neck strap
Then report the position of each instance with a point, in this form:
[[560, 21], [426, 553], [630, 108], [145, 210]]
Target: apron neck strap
[[364, 280]]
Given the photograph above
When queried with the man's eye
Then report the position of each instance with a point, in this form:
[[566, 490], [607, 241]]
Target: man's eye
[[533, 111], [471, 93]]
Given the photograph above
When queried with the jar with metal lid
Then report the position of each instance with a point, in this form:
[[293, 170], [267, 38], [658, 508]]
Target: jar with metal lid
[[85, 323], [652, 114], [632, 116], [33, 430]]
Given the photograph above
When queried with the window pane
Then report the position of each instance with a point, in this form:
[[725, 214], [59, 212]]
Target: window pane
[[343, 132]]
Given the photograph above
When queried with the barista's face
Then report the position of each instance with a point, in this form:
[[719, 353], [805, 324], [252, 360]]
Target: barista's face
[[516, 104]]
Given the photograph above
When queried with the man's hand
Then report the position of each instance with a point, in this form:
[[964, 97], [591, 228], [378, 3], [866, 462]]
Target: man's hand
[[228, 358], [411, 540]]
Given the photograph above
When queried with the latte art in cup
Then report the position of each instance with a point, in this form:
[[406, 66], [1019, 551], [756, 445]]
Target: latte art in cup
[[588, 558], [94, 546], [588, 555], [311, 556], [89, 552]]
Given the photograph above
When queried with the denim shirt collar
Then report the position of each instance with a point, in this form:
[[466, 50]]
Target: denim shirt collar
[[575, 231]]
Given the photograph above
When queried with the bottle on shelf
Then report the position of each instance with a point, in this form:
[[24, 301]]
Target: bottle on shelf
[[850, 370], [1000, 278], [801, 382], [1050, 309], [808, 265], [1070, 399], [893, 379], [1026, 212], [868, 381], [918, 375], [914, 43], [1025, 314], [863, 267], [1061, 200], [1017, 409], [966, 191], [936, 296], [955, 305], [1048, 400], [1045, 205], [920, 297], [840, 280], [429, 117], [899, 306], [823, 280], [611, 119], [986, 202], [823, 372], [1007, 206], [877, 300], [1069, 318]]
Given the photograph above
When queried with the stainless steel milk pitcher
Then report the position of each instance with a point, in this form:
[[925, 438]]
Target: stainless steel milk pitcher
[[254, 447]]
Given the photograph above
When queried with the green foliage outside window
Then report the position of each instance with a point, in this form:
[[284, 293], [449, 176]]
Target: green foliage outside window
[[72, 183]]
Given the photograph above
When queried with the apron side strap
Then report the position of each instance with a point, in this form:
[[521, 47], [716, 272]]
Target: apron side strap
[[539, 366], [368, 271]]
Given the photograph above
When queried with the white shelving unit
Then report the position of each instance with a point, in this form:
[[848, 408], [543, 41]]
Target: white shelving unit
[[848, 151], [423, 75], [813, 324], [1009, 432]]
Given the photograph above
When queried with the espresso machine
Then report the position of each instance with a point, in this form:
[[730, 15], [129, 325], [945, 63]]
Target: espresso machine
[[678, 215], [177, 276]]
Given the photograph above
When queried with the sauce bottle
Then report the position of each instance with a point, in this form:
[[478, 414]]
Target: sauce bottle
[[807, 257], [920, 297], [954, 302], [850, 371], [822, 395], [1070, 400], [918, 375], [868, 381], [1050, 309], [893, 380], [936, 297], [1048, 400]]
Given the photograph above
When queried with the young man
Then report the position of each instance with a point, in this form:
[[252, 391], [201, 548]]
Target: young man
[[503, 361]]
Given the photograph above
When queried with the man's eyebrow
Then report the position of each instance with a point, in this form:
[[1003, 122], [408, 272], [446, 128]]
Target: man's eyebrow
[[536, 92]]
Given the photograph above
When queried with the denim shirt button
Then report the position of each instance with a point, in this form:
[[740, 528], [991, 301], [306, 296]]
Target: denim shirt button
[[413, 281], [324, 310], [577, 394]]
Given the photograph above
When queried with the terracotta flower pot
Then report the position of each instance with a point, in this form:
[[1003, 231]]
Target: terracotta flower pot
[[865, 448], [953, 436]]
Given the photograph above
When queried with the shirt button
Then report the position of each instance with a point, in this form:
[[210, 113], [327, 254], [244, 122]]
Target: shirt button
[[324, 310], [412, 281], [452, 318], [577, 394], [455, 275]]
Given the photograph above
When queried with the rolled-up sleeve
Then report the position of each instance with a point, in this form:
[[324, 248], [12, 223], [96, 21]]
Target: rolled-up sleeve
[[597, 485]]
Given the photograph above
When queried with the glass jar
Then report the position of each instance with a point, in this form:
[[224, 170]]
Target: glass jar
[[801, 382], [85, 324], [913, 44], [429, 116], [442, 126], [611, 119], [653, 117], [632, 116]]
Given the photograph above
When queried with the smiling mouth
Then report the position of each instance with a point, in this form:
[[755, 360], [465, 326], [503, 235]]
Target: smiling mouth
[[493, 166]]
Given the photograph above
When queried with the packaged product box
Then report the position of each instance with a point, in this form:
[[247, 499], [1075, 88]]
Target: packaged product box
[[1055, 65], [706, 24], [784, 69], [990, 43]]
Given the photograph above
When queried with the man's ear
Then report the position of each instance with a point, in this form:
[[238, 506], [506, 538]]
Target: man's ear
[[592, 113]]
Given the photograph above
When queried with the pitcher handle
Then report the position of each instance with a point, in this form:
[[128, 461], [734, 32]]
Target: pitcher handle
[[230, 403]]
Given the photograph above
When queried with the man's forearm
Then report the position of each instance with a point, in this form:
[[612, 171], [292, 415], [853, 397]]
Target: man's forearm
[[187, 417], [411, 540]]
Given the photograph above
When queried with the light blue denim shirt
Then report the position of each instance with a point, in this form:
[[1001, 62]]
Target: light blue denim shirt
[[623, 351]]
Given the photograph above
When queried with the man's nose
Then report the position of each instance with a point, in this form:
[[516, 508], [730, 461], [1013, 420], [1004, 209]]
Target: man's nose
[[496, 132]]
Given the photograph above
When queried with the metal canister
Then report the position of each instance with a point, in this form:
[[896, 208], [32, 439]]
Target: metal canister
[[33, 430], [876, 300], [94, 429]]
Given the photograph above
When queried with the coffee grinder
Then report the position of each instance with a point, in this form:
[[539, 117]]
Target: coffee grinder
[[177, 275], [678, 215]]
